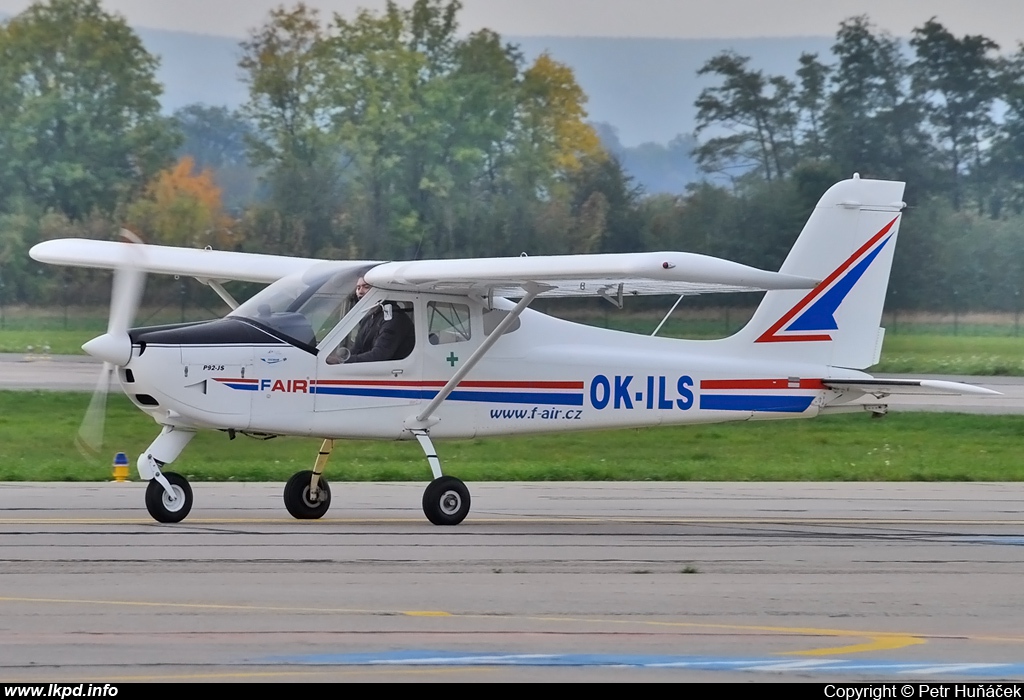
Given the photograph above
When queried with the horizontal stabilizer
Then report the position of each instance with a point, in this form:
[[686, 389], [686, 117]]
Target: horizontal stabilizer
[[889, 387]]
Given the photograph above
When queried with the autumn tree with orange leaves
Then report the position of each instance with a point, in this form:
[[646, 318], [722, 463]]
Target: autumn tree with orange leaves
[[181, 207]]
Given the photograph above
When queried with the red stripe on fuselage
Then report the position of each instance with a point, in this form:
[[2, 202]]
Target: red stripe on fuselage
[[760, 384], [467, 385]]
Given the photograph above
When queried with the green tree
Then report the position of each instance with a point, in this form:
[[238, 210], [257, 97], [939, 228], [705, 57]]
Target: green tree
[[758, 113], [811, 101], [1006, 156], [304, 164], [419, 140], [873, 123], [80, 124], [956, 80]]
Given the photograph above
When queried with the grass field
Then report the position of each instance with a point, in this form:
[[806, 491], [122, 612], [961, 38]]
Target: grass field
[[37, 431]]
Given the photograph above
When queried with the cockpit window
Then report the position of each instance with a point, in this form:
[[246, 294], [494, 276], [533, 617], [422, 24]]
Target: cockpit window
[[304, 307]]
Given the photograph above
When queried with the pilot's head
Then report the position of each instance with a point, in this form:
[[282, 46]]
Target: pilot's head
[[361, 288]]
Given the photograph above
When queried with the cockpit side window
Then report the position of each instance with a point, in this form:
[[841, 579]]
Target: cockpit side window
[[385, 332], [448, 323]]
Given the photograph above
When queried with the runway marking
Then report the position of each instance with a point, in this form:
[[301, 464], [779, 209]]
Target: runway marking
[[880, 641], [415, 657]]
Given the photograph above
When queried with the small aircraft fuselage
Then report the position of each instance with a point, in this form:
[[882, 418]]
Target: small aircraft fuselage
[[543, 375]]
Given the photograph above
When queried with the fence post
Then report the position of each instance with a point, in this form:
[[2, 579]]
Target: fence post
[[956, 313], [1016, 313]]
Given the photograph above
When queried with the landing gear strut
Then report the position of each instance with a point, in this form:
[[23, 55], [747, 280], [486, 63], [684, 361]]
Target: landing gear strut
[[168, 496], [446, 499]]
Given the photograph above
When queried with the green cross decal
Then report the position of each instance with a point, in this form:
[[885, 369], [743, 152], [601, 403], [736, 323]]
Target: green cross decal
[[452, 359]]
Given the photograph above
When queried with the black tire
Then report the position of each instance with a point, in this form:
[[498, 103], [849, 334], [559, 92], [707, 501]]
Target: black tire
[[446, 501], [160, 505], [296, 497]]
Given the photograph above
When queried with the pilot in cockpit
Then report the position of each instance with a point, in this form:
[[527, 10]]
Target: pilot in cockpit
[[385, 333]]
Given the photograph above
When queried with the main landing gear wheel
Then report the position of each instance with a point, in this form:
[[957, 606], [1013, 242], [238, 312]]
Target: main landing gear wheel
[[297, 500], [446, 501], [161, 506]]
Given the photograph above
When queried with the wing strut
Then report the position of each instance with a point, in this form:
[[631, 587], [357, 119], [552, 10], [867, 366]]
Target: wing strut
[[667, 315], [224, 294], [532, 291]]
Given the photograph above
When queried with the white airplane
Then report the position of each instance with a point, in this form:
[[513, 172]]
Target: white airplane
[[480, 364]]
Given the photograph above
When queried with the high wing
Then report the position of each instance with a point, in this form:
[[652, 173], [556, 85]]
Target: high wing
[[203, 264], [609, 275], [880, 388]]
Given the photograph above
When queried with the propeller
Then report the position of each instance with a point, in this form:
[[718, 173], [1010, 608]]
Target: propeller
[[113, 347]]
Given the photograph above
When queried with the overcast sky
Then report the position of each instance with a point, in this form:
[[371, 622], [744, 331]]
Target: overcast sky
[[1001, 20]]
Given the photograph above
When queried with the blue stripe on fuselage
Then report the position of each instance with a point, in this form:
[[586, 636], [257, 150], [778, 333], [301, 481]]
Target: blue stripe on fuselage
[[481, 396], [740, 402]]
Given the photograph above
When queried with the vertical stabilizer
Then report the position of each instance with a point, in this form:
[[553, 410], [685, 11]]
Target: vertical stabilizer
[[848, 243]]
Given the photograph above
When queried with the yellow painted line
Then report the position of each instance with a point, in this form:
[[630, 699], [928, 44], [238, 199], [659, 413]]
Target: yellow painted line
[[880, 641], [884, 643]]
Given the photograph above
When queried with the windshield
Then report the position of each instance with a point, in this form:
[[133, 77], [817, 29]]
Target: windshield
[[304, 307]]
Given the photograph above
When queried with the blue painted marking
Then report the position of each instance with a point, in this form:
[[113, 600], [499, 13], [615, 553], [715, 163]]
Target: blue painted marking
[[821, 314], [242, 387], [775, 664], [457, 395], [755, 402], [1012, 540]]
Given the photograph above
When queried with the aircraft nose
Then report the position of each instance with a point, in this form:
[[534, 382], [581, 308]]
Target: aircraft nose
[[113, 348]]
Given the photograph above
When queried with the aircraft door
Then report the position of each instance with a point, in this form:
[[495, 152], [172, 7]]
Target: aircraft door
[[370, 366], [282, 401], [453, 333]]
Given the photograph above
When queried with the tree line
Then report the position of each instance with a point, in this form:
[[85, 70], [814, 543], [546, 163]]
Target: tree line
[[391, 135]]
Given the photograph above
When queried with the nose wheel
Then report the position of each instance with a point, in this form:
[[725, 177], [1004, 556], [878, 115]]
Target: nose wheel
[[172, 506], [446, 501]]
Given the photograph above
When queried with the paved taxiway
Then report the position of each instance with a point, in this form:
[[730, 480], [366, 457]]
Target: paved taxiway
[[592, 581]]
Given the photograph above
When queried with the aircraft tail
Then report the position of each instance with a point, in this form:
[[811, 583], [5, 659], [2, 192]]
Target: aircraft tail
[[848, 243]]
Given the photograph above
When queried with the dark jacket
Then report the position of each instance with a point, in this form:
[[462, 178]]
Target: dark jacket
[[380, 338]]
